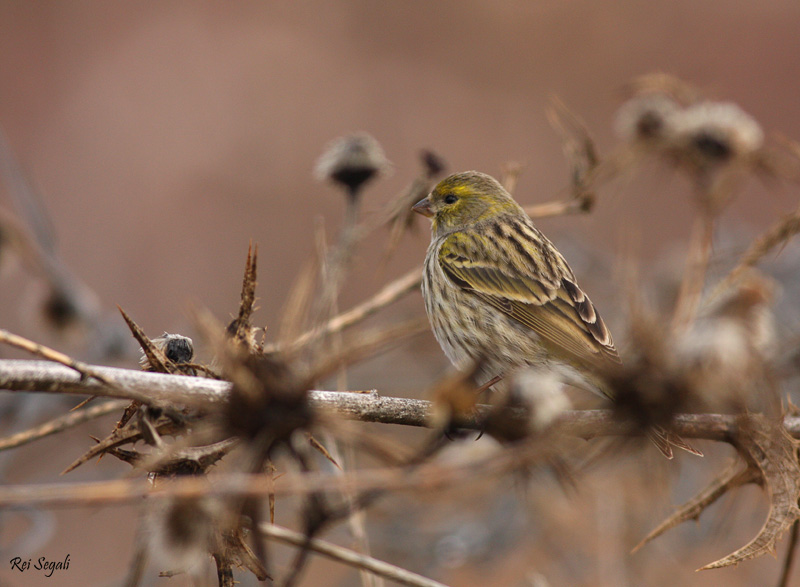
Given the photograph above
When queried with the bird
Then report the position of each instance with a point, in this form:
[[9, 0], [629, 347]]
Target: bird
[[498, 293]]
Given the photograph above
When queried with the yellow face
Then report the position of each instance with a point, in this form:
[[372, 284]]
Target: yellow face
[[464, 199]]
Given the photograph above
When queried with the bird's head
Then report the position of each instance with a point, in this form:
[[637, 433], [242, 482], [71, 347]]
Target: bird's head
[[465, 199]]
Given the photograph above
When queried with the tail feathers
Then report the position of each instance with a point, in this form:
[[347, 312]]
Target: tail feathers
[[665, 440]]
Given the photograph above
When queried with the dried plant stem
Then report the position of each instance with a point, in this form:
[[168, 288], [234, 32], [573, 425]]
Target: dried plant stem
[[52, 355], [224, 571], [69, 420], [786, 570], [368, 344], [776, 235], [511, 172], [387, 295], [348, 557], [336, 262], [695, 275], [556, 208], [357, 520]]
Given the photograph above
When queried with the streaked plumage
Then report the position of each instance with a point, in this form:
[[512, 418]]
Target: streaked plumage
[[497, 290]]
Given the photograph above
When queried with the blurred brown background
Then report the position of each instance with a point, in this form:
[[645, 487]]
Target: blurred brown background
[[165, 136]]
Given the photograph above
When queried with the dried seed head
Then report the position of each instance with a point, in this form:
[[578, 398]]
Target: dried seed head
[[242, 332], [61, 310], [648, 390], [177, 348], [713, 133], [646, 118], [351, 161], [727, 351], [666, 84], [267, 396], [183, 532], [433, 163], [455, 398]]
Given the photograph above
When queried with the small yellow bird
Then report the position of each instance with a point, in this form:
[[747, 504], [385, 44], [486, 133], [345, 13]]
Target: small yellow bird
[[496, 290]]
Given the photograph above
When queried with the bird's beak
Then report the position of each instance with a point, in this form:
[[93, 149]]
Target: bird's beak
[[423, 207]]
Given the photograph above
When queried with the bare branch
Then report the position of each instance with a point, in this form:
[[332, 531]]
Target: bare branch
[[347, 556], [69, 420], [158, 388], [53, 355], [777, 235]]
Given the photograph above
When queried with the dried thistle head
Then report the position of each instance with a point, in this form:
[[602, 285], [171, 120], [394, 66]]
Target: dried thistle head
[[182, 532], [671, 117], [727, 353], [176, 347], [244, 333], [455, 398], [709, 134], [268, 398], [60, 310], [432, 163], [351, 161], [647, 119], [401, 218], [749, 301], [648, 389], [666, 84]]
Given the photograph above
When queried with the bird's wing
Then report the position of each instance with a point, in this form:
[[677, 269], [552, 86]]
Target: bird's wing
[[551, 304]]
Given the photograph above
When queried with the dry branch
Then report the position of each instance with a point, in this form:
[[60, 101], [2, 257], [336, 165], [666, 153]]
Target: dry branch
[[347, 556], [61, 423], [161, 388]]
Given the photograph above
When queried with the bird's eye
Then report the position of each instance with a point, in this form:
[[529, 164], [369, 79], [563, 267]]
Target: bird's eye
[[450, 199]]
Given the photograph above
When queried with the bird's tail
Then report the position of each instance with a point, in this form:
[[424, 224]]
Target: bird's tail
[[661, 437], [665, 440]]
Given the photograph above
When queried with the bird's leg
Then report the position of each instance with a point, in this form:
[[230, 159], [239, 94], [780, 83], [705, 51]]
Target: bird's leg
[[484, 389]]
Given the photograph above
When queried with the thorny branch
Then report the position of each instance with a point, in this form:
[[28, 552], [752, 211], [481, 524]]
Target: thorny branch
[[69, 420], [158, 388]]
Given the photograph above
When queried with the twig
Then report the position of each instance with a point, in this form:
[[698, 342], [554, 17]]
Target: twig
[[348, 557], [695, 275], [387, 295], [511, 171], [776, 235], [60, 423], [367, 344], [53, 355], [556, 208]]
